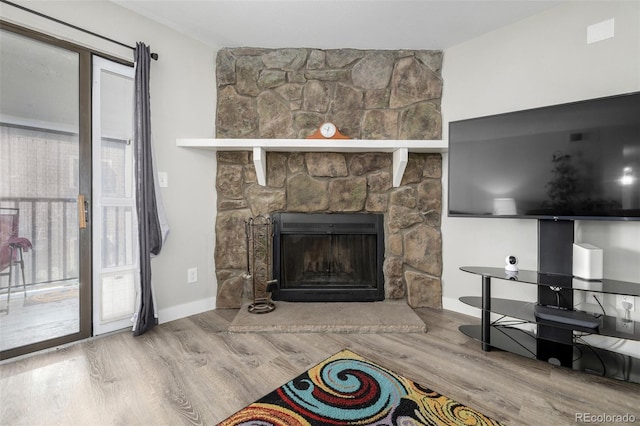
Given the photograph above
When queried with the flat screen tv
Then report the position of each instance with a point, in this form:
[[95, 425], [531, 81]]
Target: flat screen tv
[[579, 160]]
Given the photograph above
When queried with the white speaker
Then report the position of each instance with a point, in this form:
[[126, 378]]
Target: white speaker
[[587, 261]]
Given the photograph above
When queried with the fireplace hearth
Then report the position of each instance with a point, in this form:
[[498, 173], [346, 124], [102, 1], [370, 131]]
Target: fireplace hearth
[[328, 257]]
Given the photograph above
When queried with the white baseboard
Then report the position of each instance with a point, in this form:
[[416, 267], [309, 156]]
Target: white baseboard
[[187, 309], [453, 304]]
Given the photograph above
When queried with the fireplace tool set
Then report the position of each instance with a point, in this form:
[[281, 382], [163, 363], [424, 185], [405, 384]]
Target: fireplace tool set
[[259, 236]]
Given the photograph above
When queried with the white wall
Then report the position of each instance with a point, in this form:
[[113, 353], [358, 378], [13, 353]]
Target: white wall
[[183, 98], [539, 61]]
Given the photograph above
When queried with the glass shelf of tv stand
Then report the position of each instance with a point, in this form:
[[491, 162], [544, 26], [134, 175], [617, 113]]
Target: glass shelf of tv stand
[[557, 280], [585, 357], [609, 325]]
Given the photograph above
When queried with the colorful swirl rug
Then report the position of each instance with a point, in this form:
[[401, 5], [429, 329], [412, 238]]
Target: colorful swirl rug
[[346, 389]]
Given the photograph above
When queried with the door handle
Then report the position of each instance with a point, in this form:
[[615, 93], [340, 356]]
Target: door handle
[[83, 212]]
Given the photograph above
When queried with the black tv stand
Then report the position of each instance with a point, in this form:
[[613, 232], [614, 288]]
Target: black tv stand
[[557, 341]]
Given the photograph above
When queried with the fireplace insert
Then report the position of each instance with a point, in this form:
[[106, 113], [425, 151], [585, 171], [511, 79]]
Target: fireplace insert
[[328, 257]]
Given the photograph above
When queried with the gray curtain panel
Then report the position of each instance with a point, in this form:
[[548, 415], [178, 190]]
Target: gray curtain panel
[[149, 228]]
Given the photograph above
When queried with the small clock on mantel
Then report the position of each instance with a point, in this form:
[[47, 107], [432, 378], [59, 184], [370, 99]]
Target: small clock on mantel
[[328, 130]]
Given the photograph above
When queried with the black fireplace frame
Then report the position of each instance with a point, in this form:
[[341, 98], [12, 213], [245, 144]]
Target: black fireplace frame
[[326, 224]]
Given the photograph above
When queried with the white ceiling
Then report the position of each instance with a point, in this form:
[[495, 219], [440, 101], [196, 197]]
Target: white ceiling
[[332, 24]]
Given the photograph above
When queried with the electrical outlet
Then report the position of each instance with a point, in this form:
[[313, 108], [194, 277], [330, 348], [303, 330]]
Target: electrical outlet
[[625, 326], [192, 275], [620, 299]]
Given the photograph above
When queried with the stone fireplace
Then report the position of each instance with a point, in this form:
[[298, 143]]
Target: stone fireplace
[[288, 93]]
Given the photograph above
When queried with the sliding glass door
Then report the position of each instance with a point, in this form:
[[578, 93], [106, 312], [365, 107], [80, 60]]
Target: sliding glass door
[[45, 187]]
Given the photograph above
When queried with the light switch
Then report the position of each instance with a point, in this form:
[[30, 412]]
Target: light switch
[[163, 179]]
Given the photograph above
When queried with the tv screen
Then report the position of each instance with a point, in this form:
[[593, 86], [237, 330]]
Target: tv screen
[[572, 161]]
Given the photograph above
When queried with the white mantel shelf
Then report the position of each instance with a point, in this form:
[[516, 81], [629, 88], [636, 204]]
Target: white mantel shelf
[[399, 148]]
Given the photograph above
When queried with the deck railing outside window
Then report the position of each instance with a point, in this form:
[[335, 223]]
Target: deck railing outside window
[[51, 226]]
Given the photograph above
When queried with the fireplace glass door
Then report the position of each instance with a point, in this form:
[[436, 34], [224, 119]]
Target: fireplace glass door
[[329, 261]]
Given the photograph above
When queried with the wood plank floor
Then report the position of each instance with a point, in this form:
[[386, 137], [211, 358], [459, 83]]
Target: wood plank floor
[[192, 371]]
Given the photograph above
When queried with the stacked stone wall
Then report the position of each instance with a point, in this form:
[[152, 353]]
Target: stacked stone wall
[[288, 93], [331, 183], [368, 94]]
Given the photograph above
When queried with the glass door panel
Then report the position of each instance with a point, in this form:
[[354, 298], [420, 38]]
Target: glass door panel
[[115, 268], [40, 163]]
